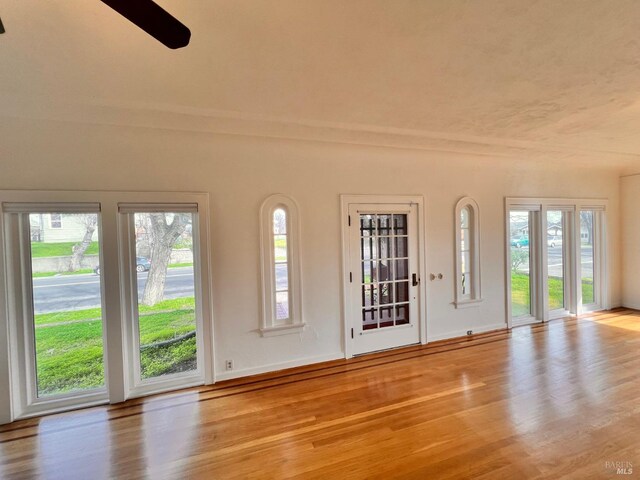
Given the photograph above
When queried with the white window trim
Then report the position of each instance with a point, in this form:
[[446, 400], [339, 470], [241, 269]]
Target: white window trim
[[12, 364], [137, 385], [539, 256], [475, 295], [295, 324]]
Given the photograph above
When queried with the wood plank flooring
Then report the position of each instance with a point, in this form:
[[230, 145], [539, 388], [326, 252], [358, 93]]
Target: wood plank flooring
[[560, 400]]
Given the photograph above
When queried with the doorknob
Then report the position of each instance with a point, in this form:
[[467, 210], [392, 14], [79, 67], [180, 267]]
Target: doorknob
[[415, 279]]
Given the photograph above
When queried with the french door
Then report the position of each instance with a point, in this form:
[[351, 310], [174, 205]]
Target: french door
[[556, 258], [383, 278]]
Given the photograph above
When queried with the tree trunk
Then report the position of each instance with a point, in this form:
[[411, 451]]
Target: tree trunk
[[163, 238], [154, 289], [79, 249]]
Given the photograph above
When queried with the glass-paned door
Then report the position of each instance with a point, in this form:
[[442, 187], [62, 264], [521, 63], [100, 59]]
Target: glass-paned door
[[65, 330], [557, 271], [520, 226], [384, 276], [165, 313], [589, 267]]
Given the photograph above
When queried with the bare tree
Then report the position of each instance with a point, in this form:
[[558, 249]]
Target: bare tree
[[90, 222], [163, 236], [586, 220]]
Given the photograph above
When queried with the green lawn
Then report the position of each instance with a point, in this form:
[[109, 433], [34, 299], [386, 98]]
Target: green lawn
[[180, 265], [53, 274], [69, 345], [520, 293], [60, 249]]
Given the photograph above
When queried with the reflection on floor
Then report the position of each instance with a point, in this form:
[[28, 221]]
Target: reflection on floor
[[545, 401]]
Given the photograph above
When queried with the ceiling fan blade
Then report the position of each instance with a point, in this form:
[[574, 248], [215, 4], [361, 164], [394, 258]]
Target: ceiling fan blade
[[1, 26], [154, 20]]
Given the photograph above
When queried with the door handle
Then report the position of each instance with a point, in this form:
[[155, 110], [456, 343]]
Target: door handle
[[415, 279]]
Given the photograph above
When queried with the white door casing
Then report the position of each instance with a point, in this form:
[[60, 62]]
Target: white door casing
[[383, 263]]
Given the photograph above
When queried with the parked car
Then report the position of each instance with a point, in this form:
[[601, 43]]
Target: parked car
[[142, 265], [520, 242], [554, 241]]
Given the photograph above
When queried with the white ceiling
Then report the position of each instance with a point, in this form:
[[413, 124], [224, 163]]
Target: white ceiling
[[561, 77]]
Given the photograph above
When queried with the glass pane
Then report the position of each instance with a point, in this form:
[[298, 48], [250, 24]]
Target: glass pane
[[67, 302], [402, 314], [369, 319], [384, 224], [282, 305], [368, 248], [382, 240], [279, 222], [401, 247], [367, 226], [369, 295], [282, 276], [464, 240], [465, 262], [386, 317], [383, 272], [400, 224], [520, 263], [555, 259], [465, 283], [367, 272], [386, 293], [464, 217], [402, 270], [402, 292], [384, 247], [166, 293], [280, 248], [587, 256]]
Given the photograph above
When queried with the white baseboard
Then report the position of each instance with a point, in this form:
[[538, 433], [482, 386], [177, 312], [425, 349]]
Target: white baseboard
[[463, 333], [632, 305], [273, 367]]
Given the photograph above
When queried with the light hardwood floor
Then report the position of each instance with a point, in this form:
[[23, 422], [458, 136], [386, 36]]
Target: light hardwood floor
[[560, 400]]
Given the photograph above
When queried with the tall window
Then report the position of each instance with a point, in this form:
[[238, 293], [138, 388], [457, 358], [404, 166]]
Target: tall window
[[281, 264], [467, 253], [281, 296], [108, 306], [165, 324], [590, 258]]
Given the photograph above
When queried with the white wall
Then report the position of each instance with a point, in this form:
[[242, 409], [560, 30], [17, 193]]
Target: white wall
[[630, 200], [240, 171]]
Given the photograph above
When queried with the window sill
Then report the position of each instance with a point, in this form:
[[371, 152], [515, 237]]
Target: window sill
[[282, 330], [468, 303]]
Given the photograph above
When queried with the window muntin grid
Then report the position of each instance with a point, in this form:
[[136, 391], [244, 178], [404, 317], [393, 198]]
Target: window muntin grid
[[384, 258]]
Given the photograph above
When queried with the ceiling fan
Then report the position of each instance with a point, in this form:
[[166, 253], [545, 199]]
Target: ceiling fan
[[151, 18], [154, 20]]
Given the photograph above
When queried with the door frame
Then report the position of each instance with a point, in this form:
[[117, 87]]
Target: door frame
[[345, 202]]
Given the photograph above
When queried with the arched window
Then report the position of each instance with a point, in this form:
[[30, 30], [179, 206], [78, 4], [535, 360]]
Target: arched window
[[467, 253], [281, 274]]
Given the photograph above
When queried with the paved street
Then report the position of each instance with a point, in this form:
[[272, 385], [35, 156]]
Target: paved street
[[73, 292], [555, 261]]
